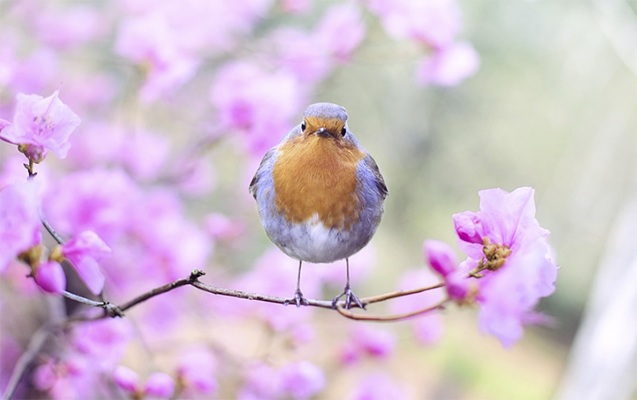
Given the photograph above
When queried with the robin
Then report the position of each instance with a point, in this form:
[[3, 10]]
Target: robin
[[320, 194]]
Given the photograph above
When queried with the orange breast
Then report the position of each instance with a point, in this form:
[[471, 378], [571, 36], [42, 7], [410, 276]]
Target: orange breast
[[317, 175]]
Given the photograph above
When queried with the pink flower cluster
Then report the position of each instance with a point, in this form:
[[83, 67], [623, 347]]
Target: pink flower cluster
[[434, 24], [509, 254]]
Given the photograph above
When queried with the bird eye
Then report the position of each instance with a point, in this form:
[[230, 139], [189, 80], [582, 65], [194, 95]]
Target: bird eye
[[303, 126], [343, 131]]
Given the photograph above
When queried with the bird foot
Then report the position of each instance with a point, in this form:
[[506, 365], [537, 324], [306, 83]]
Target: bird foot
[[298, 299], [349, 298]]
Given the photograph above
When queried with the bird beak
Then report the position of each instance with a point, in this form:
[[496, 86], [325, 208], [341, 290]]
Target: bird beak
[[322, 131]]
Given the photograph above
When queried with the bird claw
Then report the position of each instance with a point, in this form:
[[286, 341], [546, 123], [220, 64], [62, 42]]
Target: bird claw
[[349, 297], [298, 299]]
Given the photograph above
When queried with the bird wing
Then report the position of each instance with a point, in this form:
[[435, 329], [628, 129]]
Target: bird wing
[[253, 183], [370, 163]]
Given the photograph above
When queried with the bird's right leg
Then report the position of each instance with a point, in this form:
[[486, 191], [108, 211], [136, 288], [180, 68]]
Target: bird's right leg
[[299, 299]]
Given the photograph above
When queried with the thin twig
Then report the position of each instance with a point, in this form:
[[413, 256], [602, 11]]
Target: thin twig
[[194, 275], [36, 343], [389, 318], [50, 229]]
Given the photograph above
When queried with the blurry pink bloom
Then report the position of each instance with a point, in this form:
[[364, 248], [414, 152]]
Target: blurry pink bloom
[[302, 380], [42, 122], [196, 371], [69, 27], [428, 328], [340, 31], [8, 64], [440, 256], [257, 103], [44, 376], [126, 378], [508, 292], [303, 54], [105, 341], [160, 385], [50, 277], [432, 22], [367, 340], [96, 199], [448, 66], [85, 251], [377, 386], [148, 41], [19, 220], [262, 382], [35, 73], [220, 226], [144, 154]]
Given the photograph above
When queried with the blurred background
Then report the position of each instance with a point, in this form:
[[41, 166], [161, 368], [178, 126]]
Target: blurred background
[[552, 105]]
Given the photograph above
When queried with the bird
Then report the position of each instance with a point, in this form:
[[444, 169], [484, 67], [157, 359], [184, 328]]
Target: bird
[[320, 195]]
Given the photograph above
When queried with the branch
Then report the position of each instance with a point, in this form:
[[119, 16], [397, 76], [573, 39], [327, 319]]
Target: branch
[[36, 343], [193, 280]]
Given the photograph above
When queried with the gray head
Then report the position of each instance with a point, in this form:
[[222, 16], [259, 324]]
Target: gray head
[[326, 120], [326, 111]]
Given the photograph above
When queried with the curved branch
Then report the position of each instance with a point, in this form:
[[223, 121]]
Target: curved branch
[[390, 318]]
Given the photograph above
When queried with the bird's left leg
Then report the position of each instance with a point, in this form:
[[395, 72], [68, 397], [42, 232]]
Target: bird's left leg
[[299, 299], [347, 292]]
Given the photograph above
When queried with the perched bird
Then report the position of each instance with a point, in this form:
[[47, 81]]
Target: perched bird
[[320, 194]]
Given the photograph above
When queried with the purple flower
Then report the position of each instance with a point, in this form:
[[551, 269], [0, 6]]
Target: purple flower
[[84, 251], [514, 260], [302, 380], [449, 65], [44, 123], [160, 385], [440, 256], [50, 277], [19, 220], [196, 371], [255, 102], [126, 378], [261, 382], [340, 31], [432, 22], [377, 386]]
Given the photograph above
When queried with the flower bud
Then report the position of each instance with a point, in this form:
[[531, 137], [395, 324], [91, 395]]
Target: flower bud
[[160, 384], [50, 277], [440, 256], [467, 225]]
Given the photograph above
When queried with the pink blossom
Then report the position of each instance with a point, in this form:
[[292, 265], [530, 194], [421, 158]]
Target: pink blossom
[[105, 341], [432, 22], [50, 277], [34, 73], [440, 256], [518, 269], [148, 40], [196, 371], [85, 251], [448, 66], [367, 340], [144, 154], [257, 103], [160, 385], [19, 220], [220, 226], [303, 54], [71, 27], [302, 380], [42, 122], [262, 381], [377, 386], [340, 31], [97, 199], [126, 378]]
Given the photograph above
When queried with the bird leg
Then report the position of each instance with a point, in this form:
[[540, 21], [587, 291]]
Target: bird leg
[[347, 292], [299, 299]]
